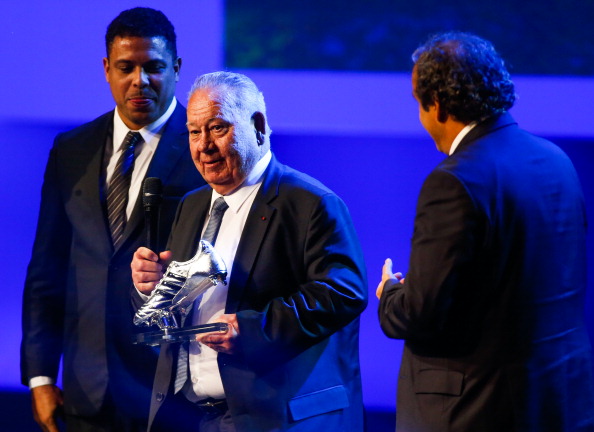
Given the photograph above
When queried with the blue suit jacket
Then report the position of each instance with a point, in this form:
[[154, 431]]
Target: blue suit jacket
[[492, 306], [298, 286]]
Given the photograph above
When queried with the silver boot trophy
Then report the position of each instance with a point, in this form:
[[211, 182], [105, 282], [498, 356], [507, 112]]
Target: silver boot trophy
[[175, 293]]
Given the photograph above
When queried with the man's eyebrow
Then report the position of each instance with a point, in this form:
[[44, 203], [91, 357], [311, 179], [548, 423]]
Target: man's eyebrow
[[151, 61], [218, 117], [157, 60]]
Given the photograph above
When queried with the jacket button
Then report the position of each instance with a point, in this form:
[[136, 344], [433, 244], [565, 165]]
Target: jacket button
[[160, 397]]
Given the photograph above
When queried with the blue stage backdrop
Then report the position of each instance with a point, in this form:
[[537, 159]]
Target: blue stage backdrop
[[356, 130]]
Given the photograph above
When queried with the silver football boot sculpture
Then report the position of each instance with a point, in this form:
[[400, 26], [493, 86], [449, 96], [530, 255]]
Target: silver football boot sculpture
[[181, 284]]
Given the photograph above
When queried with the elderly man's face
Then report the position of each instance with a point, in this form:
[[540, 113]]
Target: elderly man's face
[[142, 74], [224, 147]]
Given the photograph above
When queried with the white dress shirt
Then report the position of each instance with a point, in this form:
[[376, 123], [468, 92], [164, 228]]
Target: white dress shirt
[[460, 136], [143, 154], [204, 371]]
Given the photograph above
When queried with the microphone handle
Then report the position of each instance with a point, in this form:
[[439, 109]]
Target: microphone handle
[[152, 196], [151, 218]]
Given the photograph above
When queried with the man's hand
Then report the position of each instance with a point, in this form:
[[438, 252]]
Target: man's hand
[[222, 342], [47, 404], [147, 268], [386, 276]]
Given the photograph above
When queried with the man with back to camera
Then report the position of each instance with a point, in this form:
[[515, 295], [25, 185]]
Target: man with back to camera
[[491, 309], [296, 284], [77, 292]]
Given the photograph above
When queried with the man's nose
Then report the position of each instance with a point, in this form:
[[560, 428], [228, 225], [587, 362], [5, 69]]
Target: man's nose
[[141, 78], [205, 142]]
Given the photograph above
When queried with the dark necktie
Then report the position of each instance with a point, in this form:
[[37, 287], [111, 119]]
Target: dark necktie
[[210, 235], [117, 191], [214, 223]]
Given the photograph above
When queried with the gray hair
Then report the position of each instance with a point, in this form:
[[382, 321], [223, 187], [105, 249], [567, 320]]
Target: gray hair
[[238, 95]]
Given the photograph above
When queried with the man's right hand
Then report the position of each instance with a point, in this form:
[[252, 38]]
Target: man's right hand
[[47, 404], [387, 274], [148, 268]]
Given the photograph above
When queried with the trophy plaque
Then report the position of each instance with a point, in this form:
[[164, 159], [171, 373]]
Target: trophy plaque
[[174, 296]]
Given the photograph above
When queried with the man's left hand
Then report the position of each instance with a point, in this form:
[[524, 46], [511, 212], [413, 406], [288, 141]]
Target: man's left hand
[[226, 342]]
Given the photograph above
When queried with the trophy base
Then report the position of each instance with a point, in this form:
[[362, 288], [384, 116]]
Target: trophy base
[[177, 335]]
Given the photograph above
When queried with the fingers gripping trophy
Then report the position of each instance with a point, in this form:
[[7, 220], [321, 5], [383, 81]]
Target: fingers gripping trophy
[[181, 284], [175, 293]]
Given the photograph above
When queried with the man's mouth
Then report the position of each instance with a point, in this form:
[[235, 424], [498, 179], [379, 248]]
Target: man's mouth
[[212, 162], [140, 101]]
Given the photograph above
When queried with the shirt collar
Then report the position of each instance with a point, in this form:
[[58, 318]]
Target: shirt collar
[[150, 133], [461, 135], [238, 197], [255, 175]]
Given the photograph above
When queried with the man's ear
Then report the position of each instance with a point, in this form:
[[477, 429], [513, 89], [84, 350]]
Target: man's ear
[[260, 126], [106, 68], [176, 68], [442, 116]]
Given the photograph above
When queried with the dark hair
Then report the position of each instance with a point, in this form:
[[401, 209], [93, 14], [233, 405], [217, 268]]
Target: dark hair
[[142, 22], [464, 74]]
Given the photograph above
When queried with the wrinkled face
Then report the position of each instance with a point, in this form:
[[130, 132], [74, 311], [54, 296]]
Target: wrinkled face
[[141, 73], [223, 146]]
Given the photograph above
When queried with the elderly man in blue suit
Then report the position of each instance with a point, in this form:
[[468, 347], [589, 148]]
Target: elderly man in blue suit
[[297, 284]]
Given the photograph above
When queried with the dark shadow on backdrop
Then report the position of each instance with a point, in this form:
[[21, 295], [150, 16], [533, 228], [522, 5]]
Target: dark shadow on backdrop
[[380, 35]]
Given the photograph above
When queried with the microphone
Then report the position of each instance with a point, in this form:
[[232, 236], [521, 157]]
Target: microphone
[[152, 195]]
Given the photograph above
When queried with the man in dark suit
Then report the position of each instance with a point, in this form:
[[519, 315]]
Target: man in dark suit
[[296, 284], [491, 310], [76, 301]]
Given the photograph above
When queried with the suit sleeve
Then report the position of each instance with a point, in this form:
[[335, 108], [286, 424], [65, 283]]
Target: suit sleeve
[[438, 288], [45, 284], [330, 292]]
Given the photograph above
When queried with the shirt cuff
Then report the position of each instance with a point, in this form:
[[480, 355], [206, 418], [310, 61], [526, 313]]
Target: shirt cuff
[[40, 380], [143, 297]]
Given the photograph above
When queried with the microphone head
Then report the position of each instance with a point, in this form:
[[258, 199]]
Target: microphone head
[[152, 192]]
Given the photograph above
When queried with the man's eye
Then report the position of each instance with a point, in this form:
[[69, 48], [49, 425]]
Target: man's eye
[[125, 69], [154, 69]]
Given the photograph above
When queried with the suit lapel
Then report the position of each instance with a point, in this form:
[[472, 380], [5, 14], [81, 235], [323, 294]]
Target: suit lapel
[[172, 146], [89, 154], [193, 219], [253, 235]]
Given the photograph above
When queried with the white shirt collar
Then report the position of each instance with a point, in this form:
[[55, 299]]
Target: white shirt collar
[[149, 132], [236, 199], [461, 135]]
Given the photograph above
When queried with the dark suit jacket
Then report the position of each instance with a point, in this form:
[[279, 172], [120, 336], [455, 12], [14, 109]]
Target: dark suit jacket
[[298, 286], [77, 292], [491, 309]]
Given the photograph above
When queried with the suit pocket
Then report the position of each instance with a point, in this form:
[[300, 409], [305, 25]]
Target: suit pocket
[[439, 381], [320, 402]]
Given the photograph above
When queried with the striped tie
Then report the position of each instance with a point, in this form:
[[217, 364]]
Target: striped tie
[[214, 223], [117, 191], [210, 235]]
